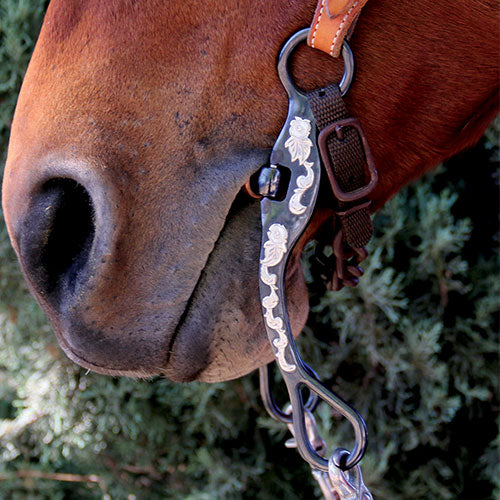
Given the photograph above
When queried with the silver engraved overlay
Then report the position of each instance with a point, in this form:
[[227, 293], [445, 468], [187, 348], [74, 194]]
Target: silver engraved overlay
[[274, 250], [299, 146]]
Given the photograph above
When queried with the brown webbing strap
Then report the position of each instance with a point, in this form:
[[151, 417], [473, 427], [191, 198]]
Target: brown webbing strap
[[345, 155], [347, 159]]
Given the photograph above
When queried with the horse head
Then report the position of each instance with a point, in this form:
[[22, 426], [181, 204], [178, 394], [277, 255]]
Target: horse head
[[137, 125]]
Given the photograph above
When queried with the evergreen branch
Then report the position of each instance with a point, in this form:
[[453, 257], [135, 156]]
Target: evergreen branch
[[56, 476]]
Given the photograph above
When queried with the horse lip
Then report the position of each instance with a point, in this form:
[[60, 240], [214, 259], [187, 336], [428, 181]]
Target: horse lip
[[177, 333], [90, 365], [114, 372]]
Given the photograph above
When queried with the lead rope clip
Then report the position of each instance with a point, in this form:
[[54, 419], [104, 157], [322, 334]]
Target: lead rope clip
[[347, 484]]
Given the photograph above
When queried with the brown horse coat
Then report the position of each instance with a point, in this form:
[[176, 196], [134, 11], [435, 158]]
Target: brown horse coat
[[137, 125]]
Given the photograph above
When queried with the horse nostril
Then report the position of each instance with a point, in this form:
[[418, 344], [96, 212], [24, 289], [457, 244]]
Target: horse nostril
[[57, 237]]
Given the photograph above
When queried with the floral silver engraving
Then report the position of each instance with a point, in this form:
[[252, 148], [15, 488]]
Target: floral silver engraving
[[274, 251], [299, 146]]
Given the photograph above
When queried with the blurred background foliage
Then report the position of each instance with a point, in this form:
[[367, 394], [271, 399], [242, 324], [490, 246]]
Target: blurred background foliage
[[414, 347]]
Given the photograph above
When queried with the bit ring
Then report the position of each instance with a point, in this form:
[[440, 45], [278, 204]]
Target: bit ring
[[289, 47]]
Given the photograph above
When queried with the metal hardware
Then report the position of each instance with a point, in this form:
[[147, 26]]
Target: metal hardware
[[341, 268], [283, 221], [348, 484], [315, 439], [347, 271], [289, 47], [269, 403], [269, 181], [268, 178], [336, 484], [338, 128]]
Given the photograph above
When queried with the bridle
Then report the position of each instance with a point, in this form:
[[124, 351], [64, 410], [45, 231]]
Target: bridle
[[318, 135]]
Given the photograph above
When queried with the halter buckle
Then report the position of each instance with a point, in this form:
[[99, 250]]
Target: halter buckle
[[338, 128]]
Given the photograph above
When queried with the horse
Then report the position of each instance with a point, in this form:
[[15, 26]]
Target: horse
[[137, 126]]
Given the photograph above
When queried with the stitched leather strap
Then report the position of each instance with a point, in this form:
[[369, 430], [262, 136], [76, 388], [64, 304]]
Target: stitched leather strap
[[332, 22]]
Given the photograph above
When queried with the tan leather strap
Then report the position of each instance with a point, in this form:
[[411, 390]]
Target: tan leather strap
[[332, 21]]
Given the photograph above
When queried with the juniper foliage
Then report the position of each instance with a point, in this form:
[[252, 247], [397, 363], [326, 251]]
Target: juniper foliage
[[414, 347]]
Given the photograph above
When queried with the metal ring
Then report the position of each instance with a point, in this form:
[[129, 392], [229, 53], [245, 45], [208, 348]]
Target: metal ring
[[289, 47], [340, 458]]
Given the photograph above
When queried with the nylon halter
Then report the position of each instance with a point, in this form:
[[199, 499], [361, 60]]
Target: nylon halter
[[318, 135]]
